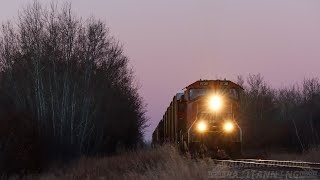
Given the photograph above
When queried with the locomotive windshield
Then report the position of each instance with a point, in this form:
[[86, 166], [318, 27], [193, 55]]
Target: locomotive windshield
[[233, 93], [195, 93]]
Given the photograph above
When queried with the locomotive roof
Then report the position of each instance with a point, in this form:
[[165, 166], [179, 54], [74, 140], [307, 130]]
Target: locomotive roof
[[213, 84]]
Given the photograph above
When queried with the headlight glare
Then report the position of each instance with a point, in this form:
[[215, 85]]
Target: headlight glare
[[202, 126], [215, 103], [228, 126]]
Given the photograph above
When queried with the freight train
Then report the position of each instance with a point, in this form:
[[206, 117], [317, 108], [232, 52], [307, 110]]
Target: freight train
[[203, 119]]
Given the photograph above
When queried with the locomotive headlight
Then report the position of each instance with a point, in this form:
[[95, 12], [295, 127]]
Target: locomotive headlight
[[228, 126], [215, 103], [202, 126]]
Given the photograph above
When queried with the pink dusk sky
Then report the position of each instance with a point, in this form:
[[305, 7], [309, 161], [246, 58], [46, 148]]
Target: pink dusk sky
[[172, 43]]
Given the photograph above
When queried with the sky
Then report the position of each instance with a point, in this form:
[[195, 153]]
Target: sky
[[172, 43]]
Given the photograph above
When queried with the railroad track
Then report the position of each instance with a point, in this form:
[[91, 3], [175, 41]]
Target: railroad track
[[280, 169], [294, 164]]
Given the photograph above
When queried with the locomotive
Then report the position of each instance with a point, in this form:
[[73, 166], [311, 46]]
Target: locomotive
[[203, 119]]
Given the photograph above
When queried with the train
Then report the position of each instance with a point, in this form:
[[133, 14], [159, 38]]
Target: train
[[204, 119]]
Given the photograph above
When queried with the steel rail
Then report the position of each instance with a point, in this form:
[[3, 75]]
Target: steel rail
[[264, 164], [280, 161]]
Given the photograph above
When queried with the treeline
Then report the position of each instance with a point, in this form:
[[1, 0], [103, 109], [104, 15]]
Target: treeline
[[287, 118], [66, 89]]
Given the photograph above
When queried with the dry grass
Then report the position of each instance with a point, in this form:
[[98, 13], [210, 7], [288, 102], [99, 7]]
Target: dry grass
[[312, 155], [161, 163], [149, 164]]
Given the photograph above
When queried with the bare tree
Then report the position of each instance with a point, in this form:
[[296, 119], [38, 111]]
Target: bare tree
[[73, 78]]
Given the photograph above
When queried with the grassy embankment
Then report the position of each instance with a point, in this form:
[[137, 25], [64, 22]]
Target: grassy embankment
[[162, 163]]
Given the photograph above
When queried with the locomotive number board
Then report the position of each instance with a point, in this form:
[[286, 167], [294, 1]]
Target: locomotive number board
[[204, 83]]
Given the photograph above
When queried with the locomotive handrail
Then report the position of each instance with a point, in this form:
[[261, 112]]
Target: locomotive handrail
[[240, 130], [192, 126]]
